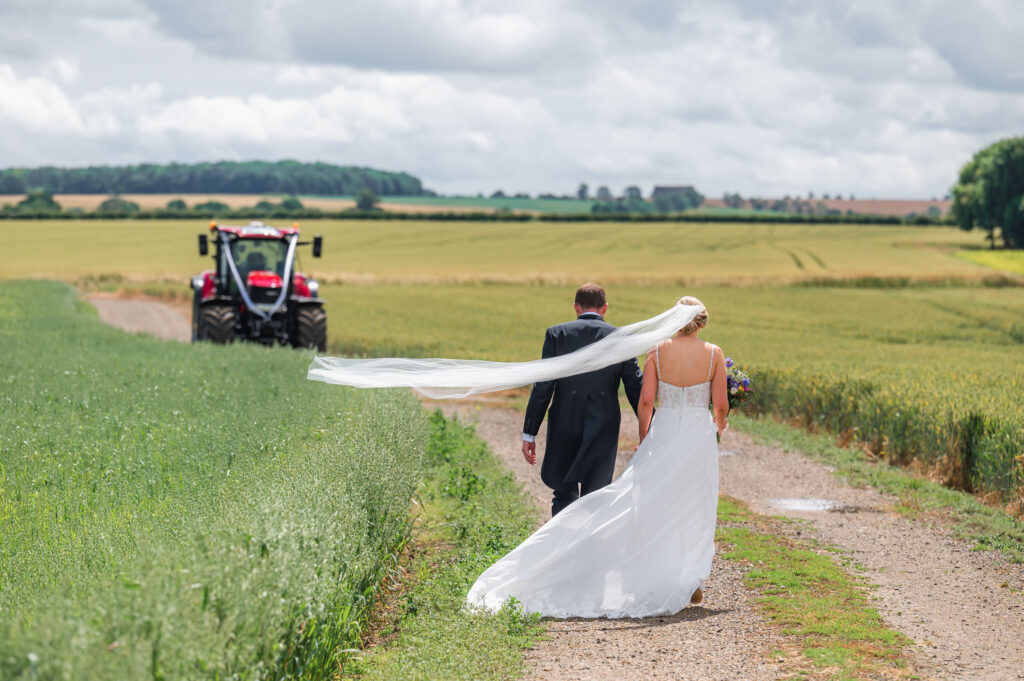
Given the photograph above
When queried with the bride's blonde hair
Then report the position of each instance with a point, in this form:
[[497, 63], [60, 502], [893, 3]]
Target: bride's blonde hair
[[699, 321]]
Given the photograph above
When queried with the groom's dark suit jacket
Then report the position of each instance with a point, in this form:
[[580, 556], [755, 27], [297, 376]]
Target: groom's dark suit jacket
[[584, 416]]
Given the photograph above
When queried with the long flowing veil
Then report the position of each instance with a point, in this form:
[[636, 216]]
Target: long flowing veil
[[452, 378]]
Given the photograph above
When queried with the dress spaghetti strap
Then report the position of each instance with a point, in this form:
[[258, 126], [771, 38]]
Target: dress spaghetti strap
[[657, 362], [711, 364]]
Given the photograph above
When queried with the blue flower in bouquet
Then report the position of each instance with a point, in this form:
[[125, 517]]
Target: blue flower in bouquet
[[740, 386]]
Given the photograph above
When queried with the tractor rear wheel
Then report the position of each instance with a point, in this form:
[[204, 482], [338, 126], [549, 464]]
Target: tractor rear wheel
[[217, 323], [311, 328]]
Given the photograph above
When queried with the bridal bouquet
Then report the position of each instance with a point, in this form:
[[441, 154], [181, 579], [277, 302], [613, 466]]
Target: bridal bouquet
[[740, 385]]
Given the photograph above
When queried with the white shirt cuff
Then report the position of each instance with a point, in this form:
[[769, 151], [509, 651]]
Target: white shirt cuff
[[527, 437]]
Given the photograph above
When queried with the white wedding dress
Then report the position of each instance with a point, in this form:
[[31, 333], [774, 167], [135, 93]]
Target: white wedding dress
[[640, 546]]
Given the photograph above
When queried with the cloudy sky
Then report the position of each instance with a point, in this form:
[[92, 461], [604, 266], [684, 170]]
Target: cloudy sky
[[880, 98]]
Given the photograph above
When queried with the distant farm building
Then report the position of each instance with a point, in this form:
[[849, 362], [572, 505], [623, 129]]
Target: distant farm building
[[664, 192]]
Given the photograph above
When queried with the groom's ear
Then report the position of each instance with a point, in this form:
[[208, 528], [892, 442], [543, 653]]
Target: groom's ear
[[603, 309]]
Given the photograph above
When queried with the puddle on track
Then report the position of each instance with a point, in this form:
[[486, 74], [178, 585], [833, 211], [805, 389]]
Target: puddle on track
[[809, 504]]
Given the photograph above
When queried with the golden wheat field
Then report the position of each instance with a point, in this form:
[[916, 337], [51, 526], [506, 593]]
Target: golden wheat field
[[367, 251], [922, 339]]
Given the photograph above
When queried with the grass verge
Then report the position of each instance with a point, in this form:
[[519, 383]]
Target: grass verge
[[473, 512], [970, 519], [170, 511], [812, 598], [1005, 260]]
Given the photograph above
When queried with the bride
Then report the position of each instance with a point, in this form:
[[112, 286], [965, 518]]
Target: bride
[[642, 545]]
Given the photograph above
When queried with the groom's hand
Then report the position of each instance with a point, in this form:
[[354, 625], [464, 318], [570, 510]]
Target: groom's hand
[[530, 452]]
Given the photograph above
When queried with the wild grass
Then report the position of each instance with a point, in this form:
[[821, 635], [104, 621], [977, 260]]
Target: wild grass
[[178, 512], [473, 513], [812, 598]]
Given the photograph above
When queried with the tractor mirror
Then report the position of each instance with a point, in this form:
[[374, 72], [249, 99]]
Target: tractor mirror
[[318, 246], [204, 246]]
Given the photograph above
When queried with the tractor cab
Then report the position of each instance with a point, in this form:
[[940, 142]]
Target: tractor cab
[[255, 293]]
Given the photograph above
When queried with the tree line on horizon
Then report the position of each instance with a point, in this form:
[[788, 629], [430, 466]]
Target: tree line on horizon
[[988, 194], [223, 177], [41, 203], [808, 206]]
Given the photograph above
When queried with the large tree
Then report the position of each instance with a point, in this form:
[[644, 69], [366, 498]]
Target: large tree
[[115, 205], [366, 200], [990, 192], [39, 201]]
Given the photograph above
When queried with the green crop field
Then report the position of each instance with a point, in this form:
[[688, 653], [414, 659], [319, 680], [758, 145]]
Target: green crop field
[[169, 511], [1007, 261]]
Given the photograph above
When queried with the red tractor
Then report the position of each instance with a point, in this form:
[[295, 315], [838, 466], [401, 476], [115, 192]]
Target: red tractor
[[255, 293]]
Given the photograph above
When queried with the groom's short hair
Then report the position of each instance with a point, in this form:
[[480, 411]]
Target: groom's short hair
[[590, 296]]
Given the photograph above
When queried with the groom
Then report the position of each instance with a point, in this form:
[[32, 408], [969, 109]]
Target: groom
[[583, 420]]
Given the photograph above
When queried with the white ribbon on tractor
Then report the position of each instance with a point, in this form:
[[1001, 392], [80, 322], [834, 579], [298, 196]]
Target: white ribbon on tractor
[[451, 378], [249, 305]]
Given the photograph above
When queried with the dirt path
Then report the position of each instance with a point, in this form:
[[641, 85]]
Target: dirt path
[[156, 318], [725, 638], [964, 609]]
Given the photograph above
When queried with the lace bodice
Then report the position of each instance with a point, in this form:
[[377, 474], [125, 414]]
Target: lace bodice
[[684, 397], [689, 397]]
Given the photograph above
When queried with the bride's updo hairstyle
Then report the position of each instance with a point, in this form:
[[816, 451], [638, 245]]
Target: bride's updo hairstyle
[[699, 321]]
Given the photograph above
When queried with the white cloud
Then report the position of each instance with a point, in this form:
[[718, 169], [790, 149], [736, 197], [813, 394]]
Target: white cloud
[[292, 74], [420, 35], [36, 105], [871, 97], [64, 70]]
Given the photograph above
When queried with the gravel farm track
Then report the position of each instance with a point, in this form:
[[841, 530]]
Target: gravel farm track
[[163, 320], [963, 609]]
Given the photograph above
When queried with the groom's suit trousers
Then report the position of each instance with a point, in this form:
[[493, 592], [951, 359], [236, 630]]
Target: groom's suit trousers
[[571, 491]]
